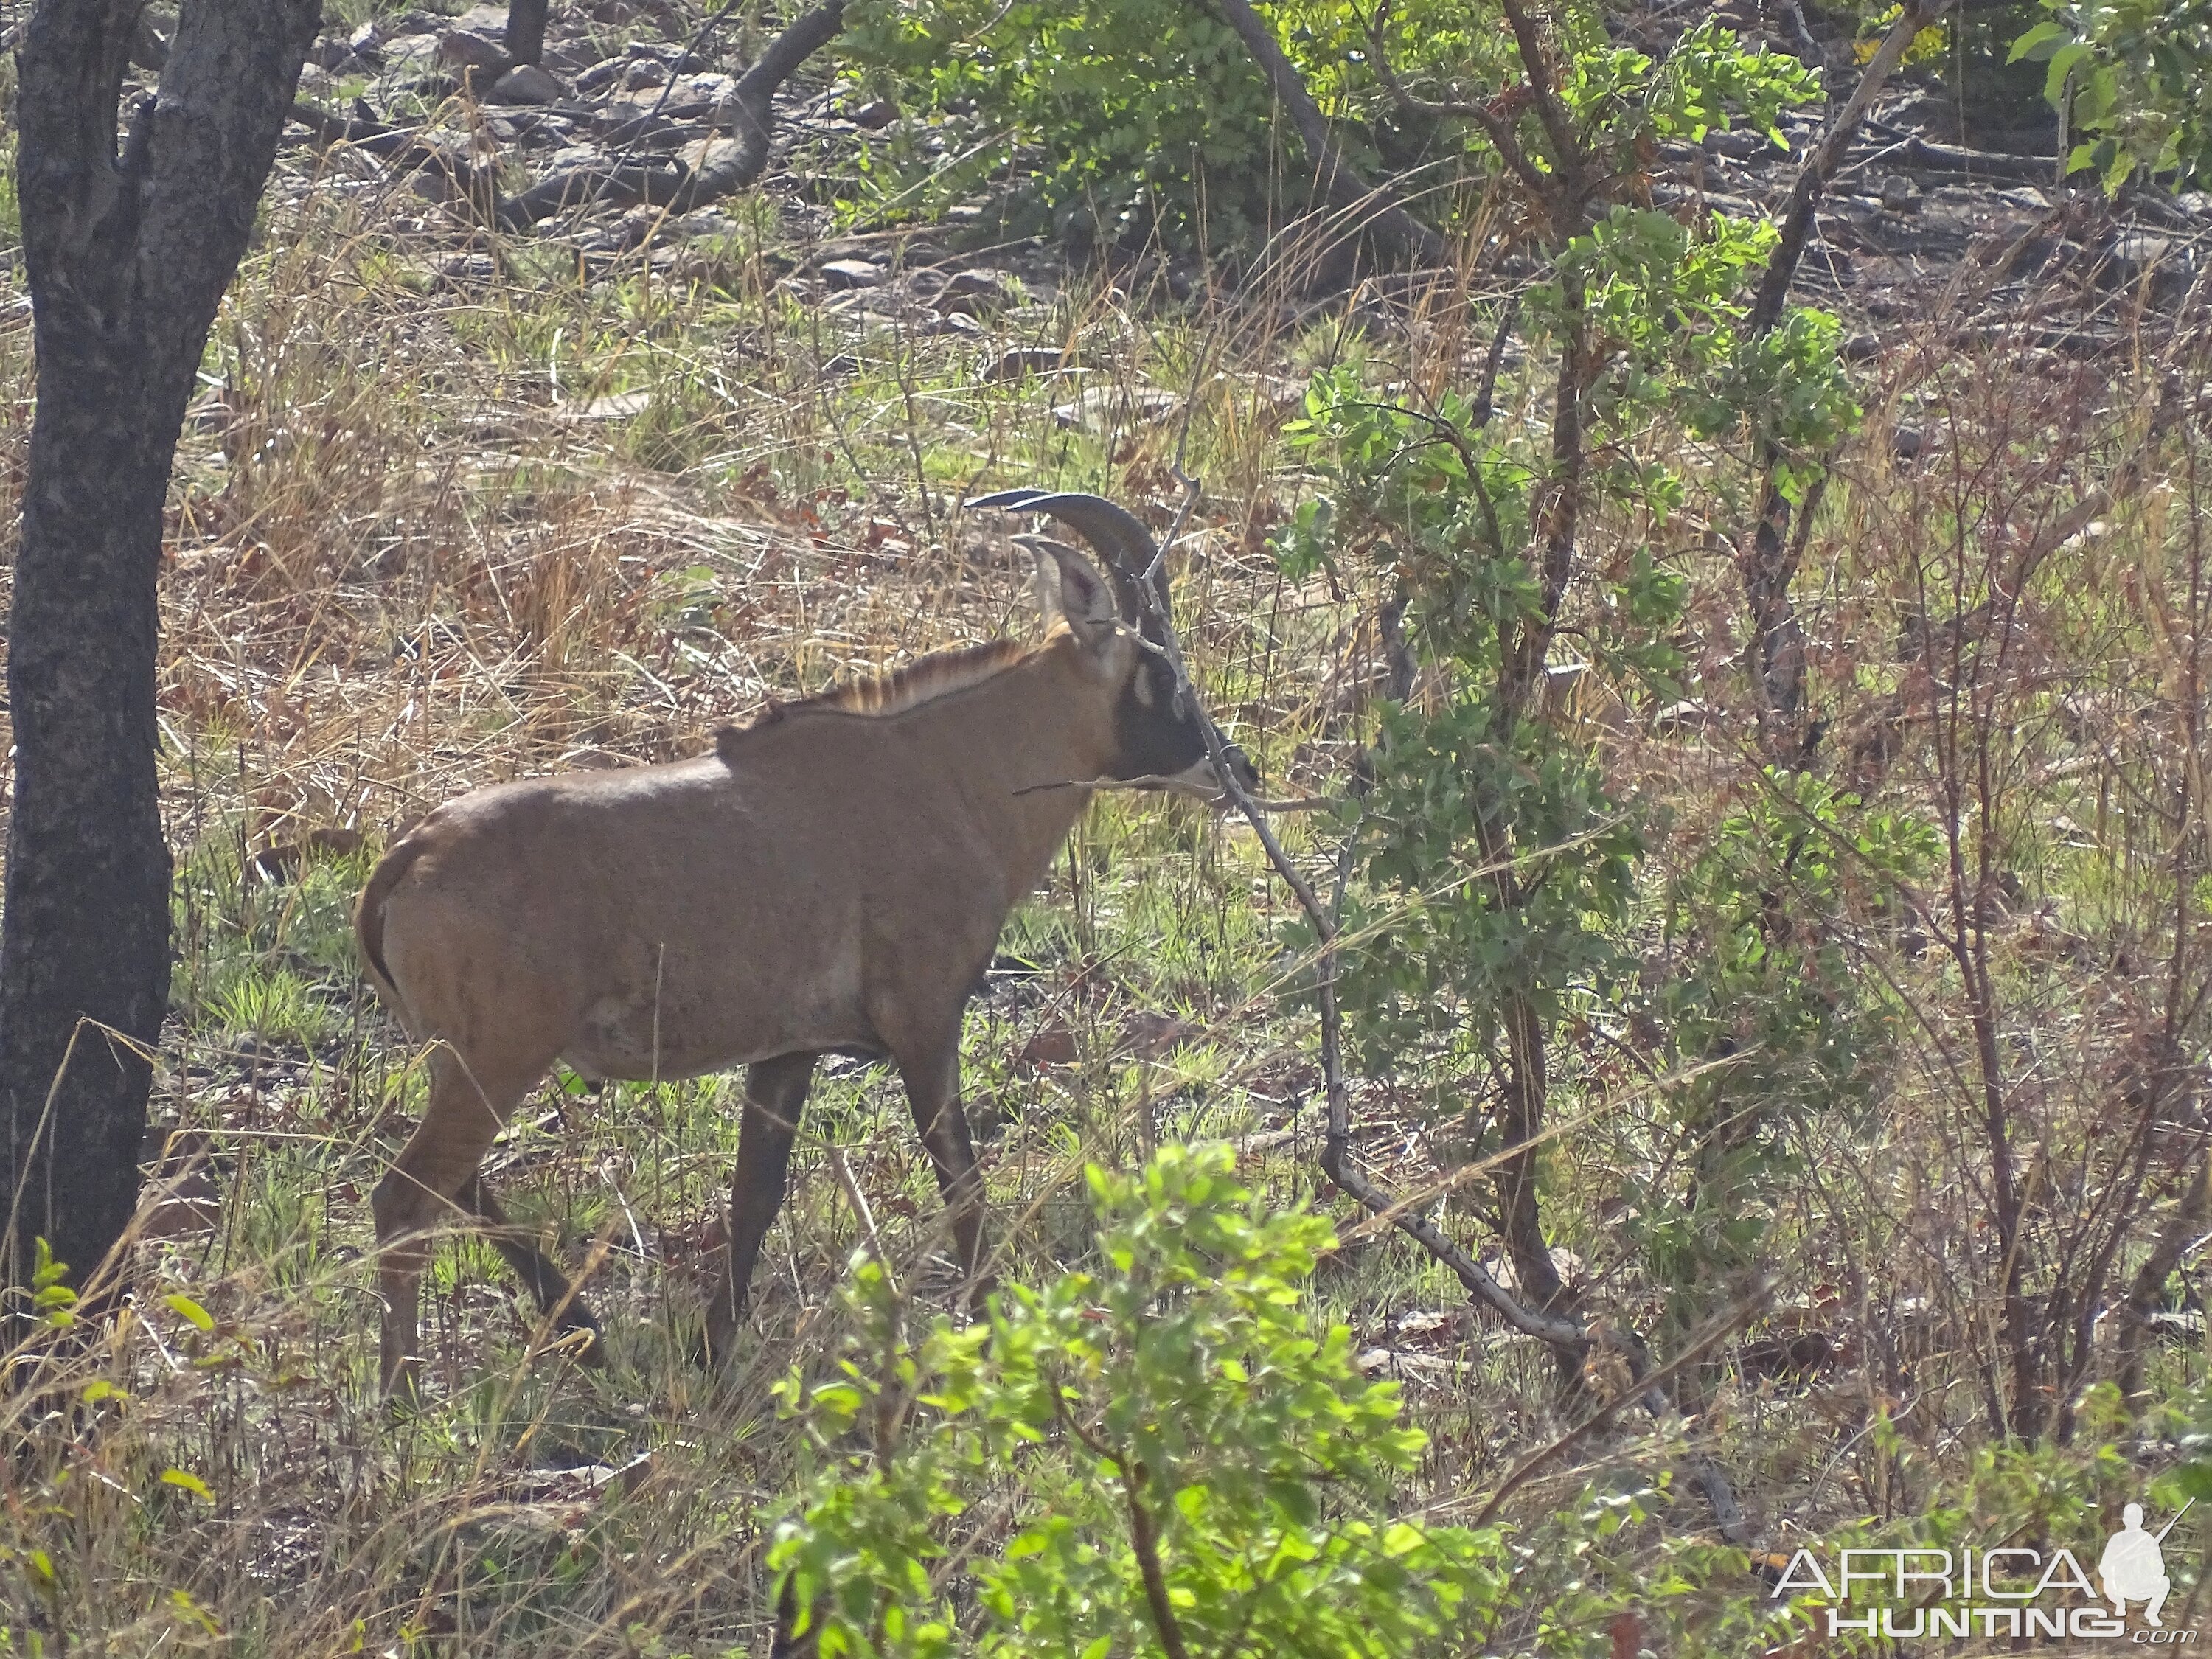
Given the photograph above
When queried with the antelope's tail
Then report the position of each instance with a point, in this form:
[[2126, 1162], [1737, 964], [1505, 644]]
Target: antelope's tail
[[368, 917]]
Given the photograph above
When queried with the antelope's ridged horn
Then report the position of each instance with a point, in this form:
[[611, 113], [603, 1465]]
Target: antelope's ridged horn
[[1120, 538]]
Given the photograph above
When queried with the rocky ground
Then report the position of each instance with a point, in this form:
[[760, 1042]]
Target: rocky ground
[[623, 137]]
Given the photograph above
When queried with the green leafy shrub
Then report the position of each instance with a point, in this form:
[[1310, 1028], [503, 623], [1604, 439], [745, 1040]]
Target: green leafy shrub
[[1757, 1002], [1165, 1442], [1127, 113], [2135, 77]]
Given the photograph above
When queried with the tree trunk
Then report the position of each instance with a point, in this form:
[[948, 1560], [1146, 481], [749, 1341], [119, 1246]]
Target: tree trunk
[[526, 30], [128, 256]]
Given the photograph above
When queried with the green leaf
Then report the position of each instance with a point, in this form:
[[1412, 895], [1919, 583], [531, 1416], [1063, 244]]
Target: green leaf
[[185, 1308], [185, 1479], [2041, 35], [2061, 66]]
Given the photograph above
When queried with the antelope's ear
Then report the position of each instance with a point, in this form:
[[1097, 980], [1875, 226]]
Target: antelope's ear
[[1070, 588]]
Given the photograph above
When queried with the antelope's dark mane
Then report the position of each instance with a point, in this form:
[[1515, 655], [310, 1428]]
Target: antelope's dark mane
[[937, 675]]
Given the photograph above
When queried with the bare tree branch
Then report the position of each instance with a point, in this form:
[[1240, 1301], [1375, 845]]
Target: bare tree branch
[[729, 167], [1776, 651], [1340, 182], [1496, 126], [1798, 217]]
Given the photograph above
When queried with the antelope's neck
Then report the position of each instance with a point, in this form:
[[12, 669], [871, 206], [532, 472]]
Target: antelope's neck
[[1027, 739]]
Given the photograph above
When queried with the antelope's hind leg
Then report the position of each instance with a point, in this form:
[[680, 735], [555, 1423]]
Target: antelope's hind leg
[[427, 1183], [775, 1096], [540, 1274]]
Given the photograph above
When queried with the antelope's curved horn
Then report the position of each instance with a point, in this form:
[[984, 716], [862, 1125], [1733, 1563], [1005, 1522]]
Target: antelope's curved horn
[[1120, 537], [1011, 500]]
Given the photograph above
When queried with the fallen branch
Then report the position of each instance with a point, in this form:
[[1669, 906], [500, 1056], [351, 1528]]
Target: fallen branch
[[403, 149], [1374, 205], [1924, 155], [728, 165]]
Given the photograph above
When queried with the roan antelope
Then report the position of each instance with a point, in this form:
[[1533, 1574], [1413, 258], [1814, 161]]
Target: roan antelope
[[833, 877]]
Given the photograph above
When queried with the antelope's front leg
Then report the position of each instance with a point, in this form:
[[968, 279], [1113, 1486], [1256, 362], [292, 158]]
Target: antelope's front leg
[[932, 1089], [775, 1096]]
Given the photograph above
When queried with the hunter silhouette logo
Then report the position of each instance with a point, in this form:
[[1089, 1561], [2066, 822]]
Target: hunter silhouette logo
[[2004, 1590], [2133, 1565]]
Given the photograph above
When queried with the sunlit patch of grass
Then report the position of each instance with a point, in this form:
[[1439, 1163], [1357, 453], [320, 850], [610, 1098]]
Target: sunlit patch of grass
[[274, 1005]]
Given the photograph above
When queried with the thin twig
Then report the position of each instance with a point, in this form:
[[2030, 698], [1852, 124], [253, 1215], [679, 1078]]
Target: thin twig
[[1716, 1332]]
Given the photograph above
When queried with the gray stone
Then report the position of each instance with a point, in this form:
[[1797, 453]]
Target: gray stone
[[569, 58], [415, 54], [709, 87], [851, 274], [2161, 263], [977, 293], [464, 48], [602, 75], [526, 83], [1019, 361], [2142, 248], [707, 221], [1737, 146], [1114, 405], [704, 154], [980, 283], [843, 247]]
